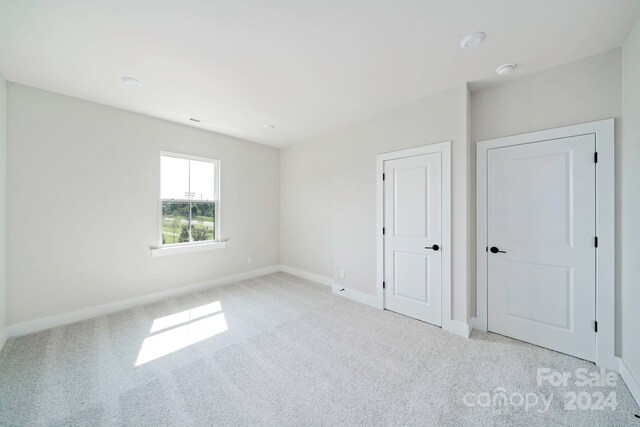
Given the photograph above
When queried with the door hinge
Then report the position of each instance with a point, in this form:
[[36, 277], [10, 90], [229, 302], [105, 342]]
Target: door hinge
[[596, 241], [383, 177], [382, 230], [595, 326], [595, 157], [384, 285]]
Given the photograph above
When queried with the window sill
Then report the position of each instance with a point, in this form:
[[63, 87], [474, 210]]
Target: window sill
[[183, 249]]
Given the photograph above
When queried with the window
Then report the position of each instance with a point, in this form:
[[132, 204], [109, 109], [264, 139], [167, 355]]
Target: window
[[189, 199]]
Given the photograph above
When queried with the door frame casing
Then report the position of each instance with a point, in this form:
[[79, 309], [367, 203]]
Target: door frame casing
[[445, 149], [604, 133]]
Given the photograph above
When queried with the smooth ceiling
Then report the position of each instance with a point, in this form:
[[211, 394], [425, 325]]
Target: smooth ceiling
[[306, 67]]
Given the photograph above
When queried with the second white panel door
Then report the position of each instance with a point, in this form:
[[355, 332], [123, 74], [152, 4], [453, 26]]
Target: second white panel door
[[541, 254], [413, 236]]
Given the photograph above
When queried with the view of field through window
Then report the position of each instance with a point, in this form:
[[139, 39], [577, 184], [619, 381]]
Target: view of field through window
[[188, 200], [176, 222]]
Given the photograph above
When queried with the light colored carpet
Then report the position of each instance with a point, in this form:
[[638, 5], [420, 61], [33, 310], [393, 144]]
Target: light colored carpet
[[292, 354]]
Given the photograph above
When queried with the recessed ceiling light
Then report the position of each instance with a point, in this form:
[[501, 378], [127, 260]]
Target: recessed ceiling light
[[505, 69], [130, 81], [472, 40], [269, 126]]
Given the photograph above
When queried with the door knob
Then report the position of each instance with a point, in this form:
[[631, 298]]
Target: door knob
[[434, 247], [495, 250]]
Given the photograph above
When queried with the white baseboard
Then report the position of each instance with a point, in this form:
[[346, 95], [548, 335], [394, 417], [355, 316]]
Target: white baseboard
[[356, 296], [473, 324], [24, 328], [459, 328], [323, 280], [632, 382], [351, 294], [4, 335], [43, 323], [456, 327]]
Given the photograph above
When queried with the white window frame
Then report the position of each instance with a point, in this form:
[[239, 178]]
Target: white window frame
[[177, 248]]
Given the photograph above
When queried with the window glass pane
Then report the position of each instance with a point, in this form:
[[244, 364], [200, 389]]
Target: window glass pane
[[202, 221], [202, 177], [174, 178], [175, 223]]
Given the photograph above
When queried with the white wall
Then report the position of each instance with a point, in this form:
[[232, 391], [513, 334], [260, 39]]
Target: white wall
[[630, 203], [328, 185], [83, 209], [577, 92], [580, 91], [3, 192], [86, 241]]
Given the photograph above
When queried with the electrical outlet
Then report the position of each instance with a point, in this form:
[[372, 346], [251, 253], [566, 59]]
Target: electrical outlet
[[342, 273], [249, 260]]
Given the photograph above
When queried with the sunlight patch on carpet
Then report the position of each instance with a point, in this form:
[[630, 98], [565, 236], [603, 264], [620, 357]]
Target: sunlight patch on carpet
[[189, 331], [185, 316]]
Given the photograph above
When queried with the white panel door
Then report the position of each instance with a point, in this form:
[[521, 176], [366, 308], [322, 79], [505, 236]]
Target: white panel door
[[413, 236], [541, 252]]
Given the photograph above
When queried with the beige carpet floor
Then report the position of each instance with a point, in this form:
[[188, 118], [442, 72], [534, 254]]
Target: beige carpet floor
[[279, 350]]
